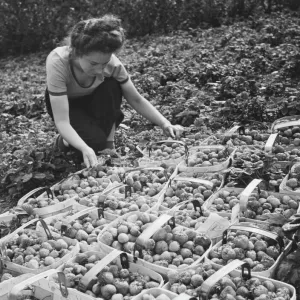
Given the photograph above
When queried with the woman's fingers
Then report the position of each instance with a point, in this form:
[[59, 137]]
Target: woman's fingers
[[86, 161], [89, 157], [171, 132], [179, 130], [174, 130]]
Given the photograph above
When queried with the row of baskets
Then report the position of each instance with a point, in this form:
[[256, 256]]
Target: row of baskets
[[197, 225], [92, 269]]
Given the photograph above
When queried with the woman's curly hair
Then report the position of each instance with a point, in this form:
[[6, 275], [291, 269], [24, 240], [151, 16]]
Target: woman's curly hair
[[103, 34]]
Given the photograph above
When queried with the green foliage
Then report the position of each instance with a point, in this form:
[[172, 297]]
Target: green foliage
[[31, 25], [211, 78]]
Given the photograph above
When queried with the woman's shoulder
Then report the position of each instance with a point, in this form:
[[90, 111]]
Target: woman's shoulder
[[59, 55]]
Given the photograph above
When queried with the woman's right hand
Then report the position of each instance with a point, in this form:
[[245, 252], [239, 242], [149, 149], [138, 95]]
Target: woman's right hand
[[89, 157]]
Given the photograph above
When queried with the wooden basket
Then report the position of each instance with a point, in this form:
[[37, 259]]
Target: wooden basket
[[48, 211], [266, 273], [241, 207], [40, 288], [239, 130], [231, 269], [7, 285], [106, 257], [283, 188], [146, 160], [20, 269], [183, 165], [157, 222]]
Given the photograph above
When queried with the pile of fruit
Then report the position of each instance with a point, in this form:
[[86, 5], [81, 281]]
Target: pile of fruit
[[292, 182], [238, 288], [258, 251], [190, 215], [122, 201], [266, 203], [179, 191], [259, 203], [223, 201], [190, 281], [170, 248], [84, 229], [245, 157], [112, 282], [248, 136], [165, 151], [122, 234], [31, 250], [175, 248], [148, 181], [289, 136], [208, 157]]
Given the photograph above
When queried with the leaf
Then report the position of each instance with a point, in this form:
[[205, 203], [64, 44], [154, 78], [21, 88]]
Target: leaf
[[39, 176], [274, 219], [284, 110], [26, 177]]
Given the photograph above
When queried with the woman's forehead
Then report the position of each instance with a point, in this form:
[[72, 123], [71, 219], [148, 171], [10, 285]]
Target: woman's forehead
[[98, 57]]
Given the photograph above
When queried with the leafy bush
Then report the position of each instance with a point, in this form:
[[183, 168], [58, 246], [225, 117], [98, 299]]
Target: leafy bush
[[31, 25]]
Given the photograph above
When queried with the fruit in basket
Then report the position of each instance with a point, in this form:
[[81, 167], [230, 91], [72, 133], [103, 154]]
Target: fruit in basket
[[224, 201], [163, 256], [289, 136], [81, 187], [166, 151], [270, 203], [148, 182], [85, 228], [208, 157], [260, 257], [229, 287], [112, 282], [180, 191], [251, 137], [116, 202], [31, 250], [258, 288], [168, 247], [191, 279]]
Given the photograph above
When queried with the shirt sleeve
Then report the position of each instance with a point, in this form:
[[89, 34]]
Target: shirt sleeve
[[56, 75], [118, 71]]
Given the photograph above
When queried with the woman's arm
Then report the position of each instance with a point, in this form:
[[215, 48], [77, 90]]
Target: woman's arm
[[147, 110], [60, 108]]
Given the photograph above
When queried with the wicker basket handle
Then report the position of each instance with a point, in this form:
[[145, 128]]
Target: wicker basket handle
[[208, 284], [270, 142], [286, 122], [247, 191], [87, 279], [31, 193]]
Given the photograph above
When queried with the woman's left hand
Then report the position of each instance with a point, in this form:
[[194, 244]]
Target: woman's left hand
[[173, 131]]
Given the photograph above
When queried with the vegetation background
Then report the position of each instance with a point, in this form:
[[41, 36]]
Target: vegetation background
[[204, 64]]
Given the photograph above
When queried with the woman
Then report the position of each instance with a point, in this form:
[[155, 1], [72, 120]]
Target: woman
[[85, 85]]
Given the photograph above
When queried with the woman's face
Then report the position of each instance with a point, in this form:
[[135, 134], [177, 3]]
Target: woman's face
[[94, 63]]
